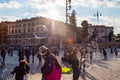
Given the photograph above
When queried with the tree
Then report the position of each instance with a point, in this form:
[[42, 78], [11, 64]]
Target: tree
[[110, 35], [117, 37], [94, 35], [73, 18], [85, 29]]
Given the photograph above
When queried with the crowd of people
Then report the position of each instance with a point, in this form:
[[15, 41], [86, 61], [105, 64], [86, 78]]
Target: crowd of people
[[51, 68]]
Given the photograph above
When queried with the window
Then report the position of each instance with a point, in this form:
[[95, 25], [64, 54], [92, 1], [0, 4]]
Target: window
[[28, 29], [16, 26], [24, 25], [33, 24], [12, 41], [37, 23], [32, 30], [19, 41], [29, 24], [12, 26], [24, 31], [12, 32], [102, 30], [19, 30], [32, 41], [15, 30], [19, 25], [8, 41], [9, 27]]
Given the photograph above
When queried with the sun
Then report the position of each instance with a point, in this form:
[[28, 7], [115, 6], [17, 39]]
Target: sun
[[53, 13]]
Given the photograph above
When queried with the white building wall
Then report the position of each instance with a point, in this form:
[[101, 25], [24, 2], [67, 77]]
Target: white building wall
[[102, 31]]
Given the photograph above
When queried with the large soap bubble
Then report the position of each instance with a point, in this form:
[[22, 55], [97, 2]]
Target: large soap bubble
[[40, 31]]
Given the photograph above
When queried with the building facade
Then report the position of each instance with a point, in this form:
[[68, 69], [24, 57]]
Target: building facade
[[3, 33], [39, 31], [102, 32]]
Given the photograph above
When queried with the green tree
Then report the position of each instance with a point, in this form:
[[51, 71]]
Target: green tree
[[94, 35], [73, 18], [85, 30], [110, 35], [118, 37]]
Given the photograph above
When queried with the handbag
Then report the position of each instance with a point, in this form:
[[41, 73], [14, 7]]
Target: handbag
[[66, 70]]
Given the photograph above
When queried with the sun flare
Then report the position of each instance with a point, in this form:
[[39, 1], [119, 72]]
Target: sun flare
[[53, 13]]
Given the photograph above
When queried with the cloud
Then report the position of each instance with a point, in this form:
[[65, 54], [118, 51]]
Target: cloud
[[8, 18], [80, 19], [10, 4], [104, 20], [96, 3], [38, 4], [111, 4], [112, 21], [41, 8]]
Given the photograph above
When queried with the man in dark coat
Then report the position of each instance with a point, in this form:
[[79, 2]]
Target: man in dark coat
[[73, 60], [21, 54], [3, 54], [27, 54], [20, 71]]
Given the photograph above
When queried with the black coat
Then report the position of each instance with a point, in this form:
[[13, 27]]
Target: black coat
[[20, 72], [3, 53]]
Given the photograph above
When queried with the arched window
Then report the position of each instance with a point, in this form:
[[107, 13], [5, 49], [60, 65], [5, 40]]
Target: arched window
[[33, 24], [29, 24], [24, 25]]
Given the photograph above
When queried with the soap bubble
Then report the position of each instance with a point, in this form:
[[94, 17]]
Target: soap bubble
[[40, 31]]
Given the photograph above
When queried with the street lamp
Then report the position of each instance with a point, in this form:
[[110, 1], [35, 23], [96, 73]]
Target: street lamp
[[68, 7], [98, 14]]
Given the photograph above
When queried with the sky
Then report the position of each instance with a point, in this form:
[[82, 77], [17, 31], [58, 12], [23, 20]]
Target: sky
[[12, 10]]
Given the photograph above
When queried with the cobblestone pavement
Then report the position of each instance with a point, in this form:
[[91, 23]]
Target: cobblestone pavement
[[99, 70]]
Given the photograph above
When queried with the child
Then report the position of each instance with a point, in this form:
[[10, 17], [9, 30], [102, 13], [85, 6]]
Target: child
[[20, 70]]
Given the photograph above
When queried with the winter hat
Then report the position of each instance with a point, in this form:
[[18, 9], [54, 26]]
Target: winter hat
[[43, 50]]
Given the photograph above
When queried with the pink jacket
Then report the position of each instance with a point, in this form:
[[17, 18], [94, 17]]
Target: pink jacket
[[54, 75]]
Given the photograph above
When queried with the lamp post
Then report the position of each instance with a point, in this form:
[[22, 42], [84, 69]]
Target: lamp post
[[97, 15], [68, 7]]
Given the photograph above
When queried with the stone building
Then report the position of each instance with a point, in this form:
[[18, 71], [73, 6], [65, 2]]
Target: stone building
[[3, 33], [39, 31], [102, 32]]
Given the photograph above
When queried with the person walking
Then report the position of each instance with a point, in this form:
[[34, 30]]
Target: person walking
[[111, 50], [39, 56], [51, 69], [21, 54], [10, 51], [3, 54], [20, 71], [26, 65], [104, 54], [27, 53], [73, 60], [84, 55], [116, 52], [91, 56], [33, 52]]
